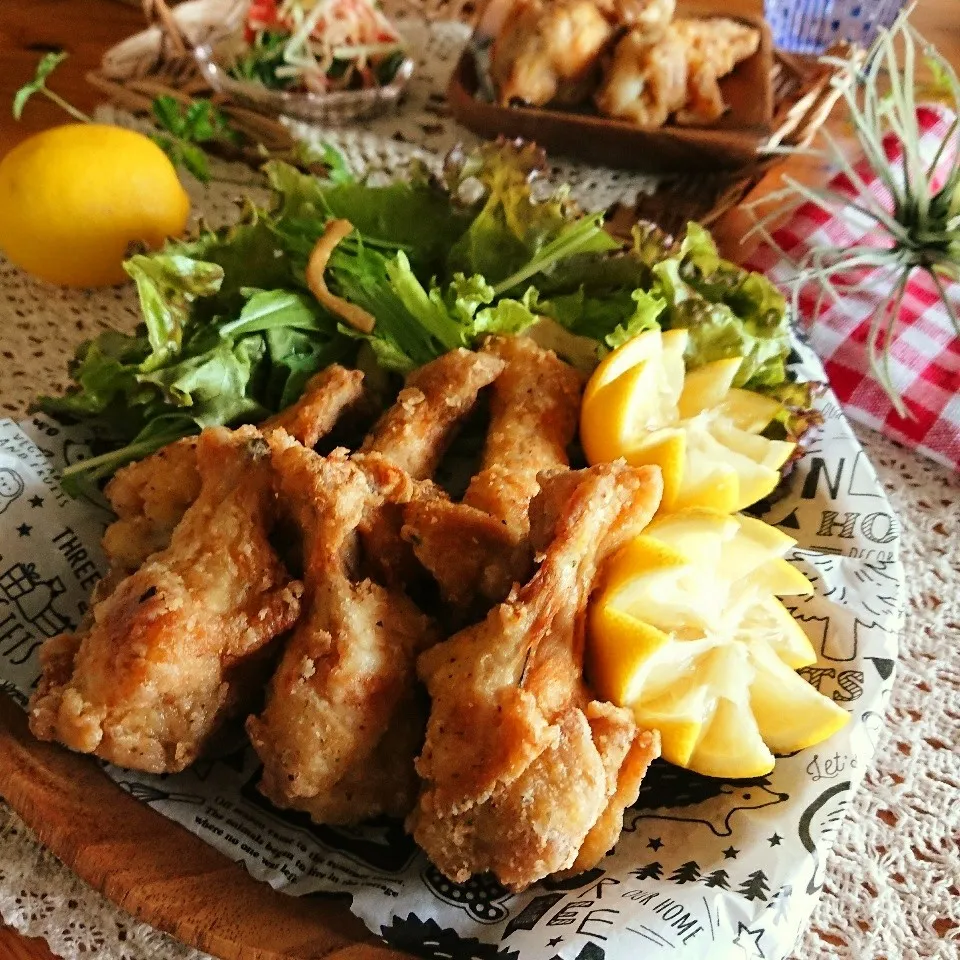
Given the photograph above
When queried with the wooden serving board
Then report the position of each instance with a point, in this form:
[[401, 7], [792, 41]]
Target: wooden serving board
[[154, 869]]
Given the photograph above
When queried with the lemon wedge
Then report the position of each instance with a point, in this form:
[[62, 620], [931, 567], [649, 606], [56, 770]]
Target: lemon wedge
[[703, 433], [686, 628]]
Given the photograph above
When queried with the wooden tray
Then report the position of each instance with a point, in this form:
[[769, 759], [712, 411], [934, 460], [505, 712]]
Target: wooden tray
[[160, 873], [731, 142]]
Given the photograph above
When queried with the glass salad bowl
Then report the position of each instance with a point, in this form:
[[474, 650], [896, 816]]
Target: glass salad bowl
[[220, 54]]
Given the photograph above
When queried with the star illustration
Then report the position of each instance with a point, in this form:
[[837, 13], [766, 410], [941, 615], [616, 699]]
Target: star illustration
[[655, 843], [36, 501], [554, 941], [24, 529], [749, 942], [730, 853], [775, 840]]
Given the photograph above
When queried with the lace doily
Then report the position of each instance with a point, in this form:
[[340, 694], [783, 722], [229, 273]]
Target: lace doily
[[891, 888]]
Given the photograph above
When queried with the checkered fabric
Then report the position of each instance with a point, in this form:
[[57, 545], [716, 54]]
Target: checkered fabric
[[925, 351]]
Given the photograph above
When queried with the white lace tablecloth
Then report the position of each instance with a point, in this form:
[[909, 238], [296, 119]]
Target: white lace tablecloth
[[892, 888]]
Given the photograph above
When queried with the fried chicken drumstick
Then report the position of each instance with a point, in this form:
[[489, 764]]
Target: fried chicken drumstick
[[524, 774], [346, 681], [344, 718], [173, 653], [151, 496], [479, 547], [414, 434], [548, 51], [415, 431]]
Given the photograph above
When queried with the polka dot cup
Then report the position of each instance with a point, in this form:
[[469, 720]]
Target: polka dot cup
[[811, 26]]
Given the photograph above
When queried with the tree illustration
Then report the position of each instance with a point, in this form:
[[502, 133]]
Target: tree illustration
[[651, 871], [686, 872], [781, 903], [755, 887], [718, 878]]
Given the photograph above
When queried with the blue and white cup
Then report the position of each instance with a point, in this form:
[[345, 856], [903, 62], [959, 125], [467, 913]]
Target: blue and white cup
[[811, 26]]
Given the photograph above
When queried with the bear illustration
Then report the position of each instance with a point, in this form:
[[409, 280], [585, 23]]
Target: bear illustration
[[11, 486]]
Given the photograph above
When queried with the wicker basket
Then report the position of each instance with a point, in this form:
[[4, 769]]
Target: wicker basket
[[160, 61]]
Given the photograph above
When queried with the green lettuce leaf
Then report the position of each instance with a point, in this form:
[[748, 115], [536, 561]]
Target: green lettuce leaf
[[213, 384], [505, 318], [416, 216], [428, 309], [270, 309], [644, 317], [295, 356], [514, 236], [359, 274], [612, 319], [231, 333], [728, 311], [167, 285]]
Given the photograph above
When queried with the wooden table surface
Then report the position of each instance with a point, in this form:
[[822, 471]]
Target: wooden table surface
[[85, 28]]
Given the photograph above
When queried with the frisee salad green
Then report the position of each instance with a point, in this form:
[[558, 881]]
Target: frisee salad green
[[231, 333]]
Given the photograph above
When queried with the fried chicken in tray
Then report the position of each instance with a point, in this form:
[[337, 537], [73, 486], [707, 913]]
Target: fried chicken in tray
[[677, 75], [631, 58], [246, 563], [547, 51]]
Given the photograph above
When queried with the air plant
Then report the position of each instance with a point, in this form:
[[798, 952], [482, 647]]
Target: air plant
[[917, 225]]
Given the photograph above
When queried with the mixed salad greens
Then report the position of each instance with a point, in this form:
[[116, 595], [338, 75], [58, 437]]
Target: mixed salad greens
[[231, 333], [318, 46]]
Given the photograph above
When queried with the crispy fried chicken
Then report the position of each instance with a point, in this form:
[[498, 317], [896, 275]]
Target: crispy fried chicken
[[524, 774], [414, 434], [342, 722], [479, 548], [344, 718], [151, 496], [677, 74], [173, 652]]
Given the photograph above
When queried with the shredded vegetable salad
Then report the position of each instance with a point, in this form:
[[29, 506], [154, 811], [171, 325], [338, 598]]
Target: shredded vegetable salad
[[319, 46]]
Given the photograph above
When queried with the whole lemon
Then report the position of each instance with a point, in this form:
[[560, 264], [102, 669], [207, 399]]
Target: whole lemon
[[74, 200]]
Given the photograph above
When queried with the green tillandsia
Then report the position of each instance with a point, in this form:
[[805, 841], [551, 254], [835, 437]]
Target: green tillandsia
[[918, 227]]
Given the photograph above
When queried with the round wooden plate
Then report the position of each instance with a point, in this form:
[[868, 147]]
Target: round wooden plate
[[154, 869]]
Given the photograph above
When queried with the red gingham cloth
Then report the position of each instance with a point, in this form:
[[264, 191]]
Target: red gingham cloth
[[925, 355]]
